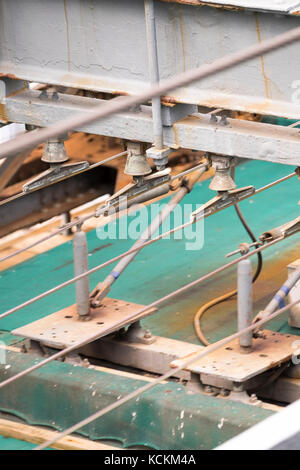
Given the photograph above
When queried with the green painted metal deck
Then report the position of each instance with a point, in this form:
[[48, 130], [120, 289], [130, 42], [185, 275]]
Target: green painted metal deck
[[156, 271]]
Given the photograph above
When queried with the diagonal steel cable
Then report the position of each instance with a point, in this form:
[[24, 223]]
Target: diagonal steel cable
[[134, 316], [81, 220], [172, 372], [120, 104]]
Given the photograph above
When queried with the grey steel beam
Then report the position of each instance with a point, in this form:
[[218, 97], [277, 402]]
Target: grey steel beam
[[239, 138], [103, 48]]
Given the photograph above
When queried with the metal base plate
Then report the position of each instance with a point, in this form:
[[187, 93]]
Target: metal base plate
[[64, 328], [230, 364]]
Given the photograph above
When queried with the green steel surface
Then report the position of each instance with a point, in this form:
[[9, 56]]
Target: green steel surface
[[156, 271], [166, 265], [7, 443], [169, 417]]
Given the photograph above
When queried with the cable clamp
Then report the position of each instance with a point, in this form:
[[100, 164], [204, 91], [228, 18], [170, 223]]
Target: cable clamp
[[127, 195], [283, 231], [222, 201]]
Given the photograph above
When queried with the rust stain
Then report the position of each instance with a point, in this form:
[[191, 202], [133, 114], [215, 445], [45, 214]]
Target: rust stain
[[204, 4], [3, 116], [266, 79], [176, 140], [169, 99], [182, 36], [8, 75], [68, 36]]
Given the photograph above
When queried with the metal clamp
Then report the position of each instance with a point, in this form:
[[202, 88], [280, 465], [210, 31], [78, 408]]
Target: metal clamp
[[221, 202], [142, 189], [159, 156], [244, 248], [283, 231], [54, 174]]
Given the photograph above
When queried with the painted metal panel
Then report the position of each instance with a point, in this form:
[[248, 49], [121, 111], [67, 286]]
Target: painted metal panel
[[279, 6], [101, 45], [60, 395]]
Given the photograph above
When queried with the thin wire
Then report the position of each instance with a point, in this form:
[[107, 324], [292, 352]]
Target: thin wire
[[77, 221], [117, 105], [81, 220], [93, 270], [107, 160], [66, 226], [112, 260], [270, 185], [84, 170], [171, 373], [187, 172], [134, 316], [216, 301], [116, 258]]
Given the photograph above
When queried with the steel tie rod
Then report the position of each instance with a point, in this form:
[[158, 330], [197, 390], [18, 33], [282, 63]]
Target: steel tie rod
[[83, 219], [208, 350], [117, 258], [106, 263], [36, 137], [134, 316]]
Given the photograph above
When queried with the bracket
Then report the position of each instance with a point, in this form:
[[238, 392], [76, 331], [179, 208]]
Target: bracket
[[221, 202], [63, 328], [228, 365], [54, 174], [284, 231], [140, 186]]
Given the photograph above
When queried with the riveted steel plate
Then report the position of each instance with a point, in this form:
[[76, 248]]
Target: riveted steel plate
[[230, 364], [63, 328]]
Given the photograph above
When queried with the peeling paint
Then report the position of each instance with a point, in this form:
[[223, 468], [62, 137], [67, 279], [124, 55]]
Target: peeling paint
[[204, 4]]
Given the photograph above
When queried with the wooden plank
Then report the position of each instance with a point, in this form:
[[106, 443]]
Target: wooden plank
[[38, 435]]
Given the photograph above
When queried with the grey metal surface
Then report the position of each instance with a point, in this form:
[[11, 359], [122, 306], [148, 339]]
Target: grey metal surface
[[81, 265], [230, 364], [245, 139], [155, 357], [64, 329], [154, 71], [102, 46], [245, 302]]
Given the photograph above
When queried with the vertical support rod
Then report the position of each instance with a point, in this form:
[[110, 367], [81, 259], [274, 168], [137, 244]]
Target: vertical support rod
[[66, 218], [154, 72], [245, 303], [82, 287]]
